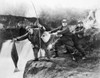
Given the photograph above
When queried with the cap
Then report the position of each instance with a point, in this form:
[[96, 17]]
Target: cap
[[80, 22], [64, 21]]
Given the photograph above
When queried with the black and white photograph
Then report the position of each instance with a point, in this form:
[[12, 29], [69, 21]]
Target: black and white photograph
[[49, 38]]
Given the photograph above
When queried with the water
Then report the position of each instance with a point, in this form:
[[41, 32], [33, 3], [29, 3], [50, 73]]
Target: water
[[6, 49], [6, 64]]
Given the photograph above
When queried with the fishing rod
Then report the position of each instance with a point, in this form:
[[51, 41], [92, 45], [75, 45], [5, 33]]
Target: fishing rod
[[35, 11], [37, 21]]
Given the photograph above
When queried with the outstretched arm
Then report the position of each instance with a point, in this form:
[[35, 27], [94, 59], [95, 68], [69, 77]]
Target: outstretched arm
[[23, 37], [55, 30], [66, 30]]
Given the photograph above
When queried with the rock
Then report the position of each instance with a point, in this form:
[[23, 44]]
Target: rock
[[45, 69], [39, 69], [56, 68]]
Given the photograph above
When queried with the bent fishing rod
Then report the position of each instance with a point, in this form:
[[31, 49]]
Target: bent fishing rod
[[37, 21]]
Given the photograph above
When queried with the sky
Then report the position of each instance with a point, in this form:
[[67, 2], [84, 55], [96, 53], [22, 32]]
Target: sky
[[32, 8]]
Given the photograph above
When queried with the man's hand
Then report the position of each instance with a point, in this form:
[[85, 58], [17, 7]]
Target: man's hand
[[54, 33], [58, 31], [14, 39], [38, 24], [73, 32]]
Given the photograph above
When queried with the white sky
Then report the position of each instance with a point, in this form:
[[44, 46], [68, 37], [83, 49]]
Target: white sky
[[19, 7]]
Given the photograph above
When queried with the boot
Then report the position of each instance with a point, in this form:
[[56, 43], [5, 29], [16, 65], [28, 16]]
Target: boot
[[36, 59]]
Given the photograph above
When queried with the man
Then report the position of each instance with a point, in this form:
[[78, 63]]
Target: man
[[78, 38], [65, 39], [79, 30], [33, 35]]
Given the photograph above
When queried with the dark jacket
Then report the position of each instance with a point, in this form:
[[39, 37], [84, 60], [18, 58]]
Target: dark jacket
[[64, 31], [79, 32], [22, 31], [33, 38], [56, 29]]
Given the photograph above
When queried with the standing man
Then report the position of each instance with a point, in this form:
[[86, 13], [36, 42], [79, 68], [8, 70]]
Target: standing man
[[33, 35], [65, 39], [78, 38]]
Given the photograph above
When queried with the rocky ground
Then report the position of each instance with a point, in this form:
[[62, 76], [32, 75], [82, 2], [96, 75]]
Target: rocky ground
[[64, 67]]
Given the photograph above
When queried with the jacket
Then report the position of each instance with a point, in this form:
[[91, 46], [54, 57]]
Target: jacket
[[64, 31]]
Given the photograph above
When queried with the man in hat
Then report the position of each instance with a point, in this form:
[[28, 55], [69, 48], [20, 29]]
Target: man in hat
[[33, 35], [65, 39], [79, 30], [78, 38]]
